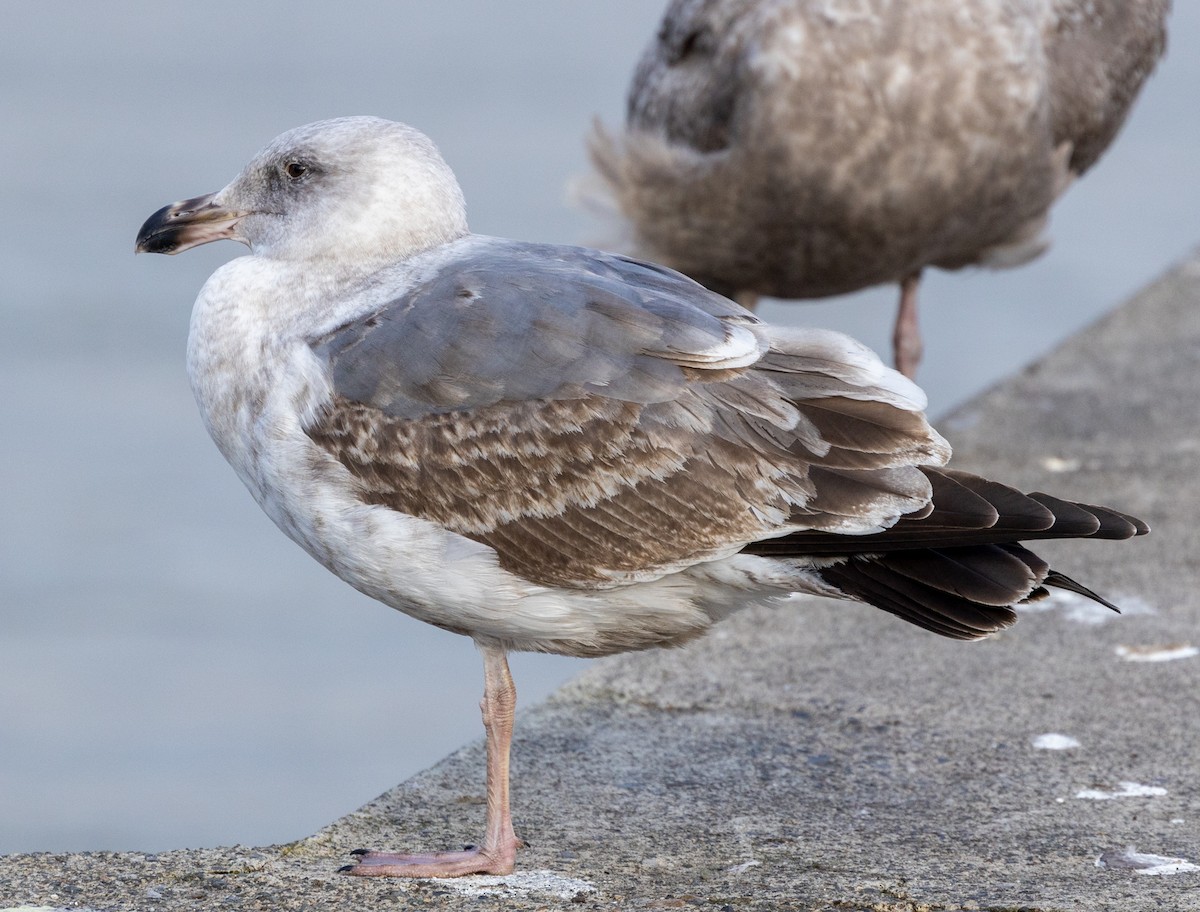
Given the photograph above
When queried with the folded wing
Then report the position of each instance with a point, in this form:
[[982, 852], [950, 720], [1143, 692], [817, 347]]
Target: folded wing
[[600, 421]]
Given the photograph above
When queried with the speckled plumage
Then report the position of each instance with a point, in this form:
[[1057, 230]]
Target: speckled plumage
[[802, 148], [553, 448]]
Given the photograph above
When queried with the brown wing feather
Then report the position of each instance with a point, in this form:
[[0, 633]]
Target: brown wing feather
[[594, 492]]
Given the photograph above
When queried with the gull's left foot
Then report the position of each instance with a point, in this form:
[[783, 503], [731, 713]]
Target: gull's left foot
[[472, 860], [497, 853]]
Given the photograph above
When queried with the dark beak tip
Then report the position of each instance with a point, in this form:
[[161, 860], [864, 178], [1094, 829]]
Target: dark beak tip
[[160, 243], [155, 224], [175, 227]]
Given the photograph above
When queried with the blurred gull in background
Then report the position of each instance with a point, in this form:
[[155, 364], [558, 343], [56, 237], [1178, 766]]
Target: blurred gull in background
[[804, 148]]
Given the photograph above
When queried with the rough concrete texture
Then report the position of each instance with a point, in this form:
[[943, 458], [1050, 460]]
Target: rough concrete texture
[[825, 755]]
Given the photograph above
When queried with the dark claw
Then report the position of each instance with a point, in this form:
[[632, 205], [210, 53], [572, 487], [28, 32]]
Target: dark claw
[[360, 852], [470, 847], [345, 869]]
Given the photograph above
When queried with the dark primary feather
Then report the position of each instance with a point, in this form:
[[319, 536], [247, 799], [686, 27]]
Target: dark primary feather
[[958, 568], [968, 509]]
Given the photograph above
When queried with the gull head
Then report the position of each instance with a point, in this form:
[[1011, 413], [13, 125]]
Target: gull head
[[687, 83], [358, 190]]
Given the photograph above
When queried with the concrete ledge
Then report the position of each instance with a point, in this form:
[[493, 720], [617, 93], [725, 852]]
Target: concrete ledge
[[829, 756]]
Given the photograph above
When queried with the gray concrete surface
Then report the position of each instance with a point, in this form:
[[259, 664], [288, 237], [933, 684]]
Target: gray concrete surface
[[826, 756]]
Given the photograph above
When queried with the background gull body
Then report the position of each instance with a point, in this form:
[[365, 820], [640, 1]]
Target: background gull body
[[554, 449], [805, 148], [177, 671]]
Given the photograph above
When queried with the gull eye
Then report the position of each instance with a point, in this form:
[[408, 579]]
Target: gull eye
[[295, 170], [697, 41]]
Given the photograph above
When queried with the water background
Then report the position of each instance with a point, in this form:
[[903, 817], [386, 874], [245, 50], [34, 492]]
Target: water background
[[173, 672]]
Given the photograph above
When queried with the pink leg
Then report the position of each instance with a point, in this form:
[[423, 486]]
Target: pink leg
[[906, 339], [498, 852]]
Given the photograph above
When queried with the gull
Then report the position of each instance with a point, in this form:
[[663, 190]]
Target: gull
[[556, 449], [806, 148]]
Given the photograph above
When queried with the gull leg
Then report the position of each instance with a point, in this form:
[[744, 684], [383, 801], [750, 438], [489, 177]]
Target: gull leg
[[498, 852], [906, 338]]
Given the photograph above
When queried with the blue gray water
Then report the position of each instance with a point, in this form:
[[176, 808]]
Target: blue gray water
[[173, 672]]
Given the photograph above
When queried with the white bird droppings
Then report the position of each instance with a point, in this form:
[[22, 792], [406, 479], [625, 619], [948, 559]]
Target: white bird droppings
[[1123, 790], [526, 882], [1167, 653], [1058, 464], [1144, 863], [1052, 741], [743, 867]]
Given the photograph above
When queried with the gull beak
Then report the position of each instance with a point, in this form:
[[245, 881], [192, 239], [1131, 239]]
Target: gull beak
[[190, 223]]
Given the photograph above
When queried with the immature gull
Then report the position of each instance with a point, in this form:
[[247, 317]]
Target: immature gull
[[556, 449], [803, 148]]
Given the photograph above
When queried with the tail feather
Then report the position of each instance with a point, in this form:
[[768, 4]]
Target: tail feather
[[983, 574], [956, 567], [923, 602], [1062, 581]]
